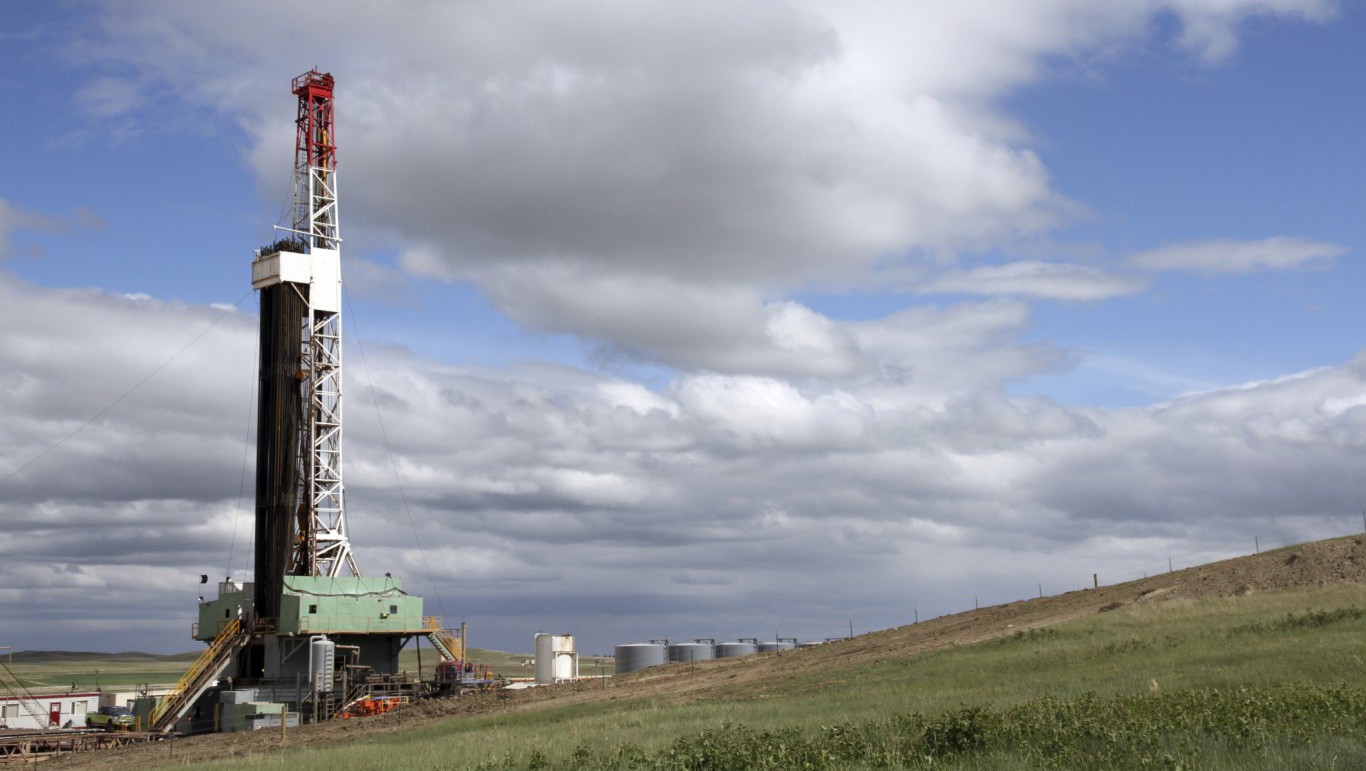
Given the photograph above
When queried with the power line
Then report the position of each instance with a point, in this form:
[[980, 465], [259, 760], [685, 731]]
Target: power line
[[384, 434], [246, 453], [125, 394]]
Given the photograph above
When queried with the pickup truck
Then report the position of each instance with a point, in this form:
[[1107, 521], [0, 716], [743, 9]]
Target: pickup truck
[[111, 719]]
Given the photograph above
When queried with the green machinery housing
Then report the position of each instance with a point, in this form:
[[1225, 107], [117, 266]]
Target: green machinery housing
[[372, 616]]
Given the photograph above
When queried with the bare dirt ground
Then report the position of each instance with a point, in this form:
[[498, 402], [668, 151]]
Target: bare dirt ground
[[1322, 563]]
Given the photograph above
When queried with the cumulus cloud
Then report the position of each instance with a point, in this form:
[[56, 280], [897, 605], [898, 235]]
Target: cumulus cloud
[[1225, 257], [927, 356], [622, 150], [759, 412], [723, 329]]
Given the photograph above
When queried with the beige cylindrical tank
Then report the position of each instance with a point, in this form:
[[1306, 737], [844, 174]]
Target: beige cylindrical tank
[[556, 660]]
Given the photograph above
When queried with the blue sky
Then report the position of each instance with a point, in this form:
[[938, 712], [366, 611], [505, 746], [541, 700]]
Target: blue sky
[[629, 279], [1164, 152]]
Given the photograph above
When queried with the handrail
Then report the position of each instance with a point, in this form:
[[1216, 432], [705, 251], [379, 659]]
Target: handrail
[[205, 664], [30, 702], [450, 647]]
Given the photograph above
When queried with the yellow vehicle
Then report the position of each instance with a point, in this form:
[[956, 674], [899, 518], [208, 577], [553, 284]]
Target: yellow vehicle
[[111, 719]]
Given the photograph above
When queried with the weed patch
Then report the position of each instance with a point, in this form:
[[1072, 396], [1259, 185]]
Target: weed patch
[[1313, 619], [1169, 730]]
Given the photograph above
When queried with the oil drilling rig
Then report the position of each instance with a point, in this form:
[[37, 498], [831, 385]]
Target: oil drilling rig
[[309, 630]]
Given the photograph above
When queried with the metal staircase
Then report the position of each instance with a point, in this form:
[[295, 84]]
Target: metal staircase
[[16, 689], [448, 643], [197, 679]]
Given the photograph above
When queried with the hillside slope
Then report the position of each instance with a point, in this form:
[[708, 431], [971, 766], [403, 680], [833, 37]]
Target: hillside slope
[[1338, 561]]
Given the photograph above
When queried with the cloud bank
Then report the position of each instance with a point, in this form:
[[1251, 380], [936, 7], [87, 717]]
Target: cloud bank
[[550, 497]]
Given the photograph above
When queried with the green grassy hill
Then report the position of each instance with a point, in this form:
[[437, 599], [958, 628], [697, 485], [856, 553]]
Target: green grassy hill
[[1265, 681]]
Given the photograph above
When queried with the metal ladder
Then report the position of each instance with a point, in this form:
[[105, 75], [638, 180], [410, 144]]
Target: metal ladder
[[211, 663], [25, 697], [448, 644]]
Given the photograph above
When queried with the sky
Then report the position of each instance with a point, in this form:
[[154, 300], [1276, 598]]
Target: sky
[[680, 320]]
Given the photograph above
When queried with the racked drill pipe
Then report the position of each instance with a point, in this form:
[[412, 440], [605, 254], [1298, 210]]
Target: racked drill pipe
[[284, 315]]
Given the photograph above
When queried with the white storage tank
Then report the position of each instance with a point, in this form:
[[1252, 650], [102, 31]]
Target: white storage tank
[[685, 653], [322, 663], [556, 660], [773, 647], [636, 656], [729, 650]]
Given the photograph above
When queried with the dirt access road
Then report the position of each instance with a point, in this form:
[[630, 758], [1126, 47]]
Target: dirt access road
[[1338, 561]]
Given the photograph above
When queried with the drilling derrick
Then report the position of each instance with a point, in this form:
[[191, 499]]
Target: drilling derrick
[[300, 592], [300, 513], [321, 546], [301, 632]]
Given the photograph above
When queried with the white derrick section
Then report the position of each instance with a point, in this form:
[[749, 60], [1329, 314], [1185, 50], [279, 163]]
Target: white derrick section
[[324, 548], [330, 548]]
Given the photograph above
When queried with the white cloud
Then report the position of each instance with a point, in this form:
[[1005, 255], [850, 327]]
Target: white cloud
[[1233, 257], [718, 328], [619, 150], [14, 219], [761, 412], [1209, 27], [1044, 280], [109, 97]]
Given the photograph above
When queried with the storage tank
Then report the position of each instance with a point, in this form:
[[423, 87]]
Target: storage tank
[[729, 650], [556, 660], [685, 653], [636, 656], [773, 647], [322, 658]]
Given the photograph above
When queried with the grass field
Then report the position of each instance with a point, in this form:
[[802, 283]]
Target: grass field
[[43, 670], [1271, 680]]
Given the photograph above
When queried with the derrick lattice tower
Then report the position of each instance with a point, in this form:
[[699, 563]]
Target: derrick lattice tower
[[300, 501], [321, 547]]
